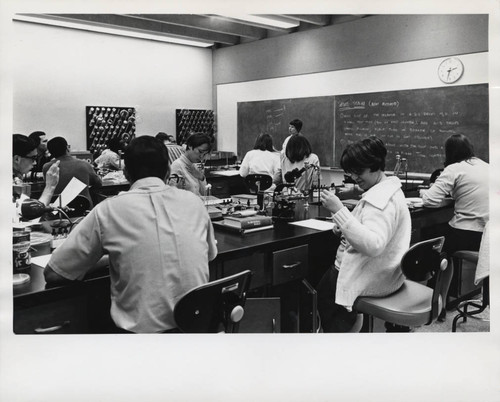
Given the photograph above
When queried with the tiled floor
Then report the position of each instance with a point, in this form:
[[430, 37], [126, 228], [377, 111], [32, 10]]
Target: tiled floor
[[479, 324]]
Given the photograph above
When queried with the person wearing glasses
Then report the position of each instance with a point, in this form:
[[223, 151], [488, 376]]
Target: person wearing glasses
[[189, 166], [24, 158], [373, 238]]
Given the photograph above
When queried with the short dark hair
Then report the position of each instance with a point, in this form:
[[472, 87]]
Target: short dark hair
[[115, 144], [146, 156], [57, 146], [264, 142], [197, 139], [297, 124], [35, 136], [22, 145], [297, 148], [457, 148], [368, 153], [162, 136]]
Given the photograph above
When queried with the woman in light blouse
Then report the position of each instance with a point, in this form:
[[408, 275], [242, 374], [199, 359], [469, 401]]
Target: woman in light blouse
[[187, 166]]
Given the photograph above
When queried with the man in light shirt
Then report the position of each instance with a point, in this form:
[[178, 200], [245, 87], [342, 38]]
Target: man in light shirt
[[159, 240]]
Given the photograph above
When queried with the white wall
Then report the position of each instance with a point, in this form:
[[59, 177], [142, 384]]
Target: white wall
[[57, 72], [409, 75]]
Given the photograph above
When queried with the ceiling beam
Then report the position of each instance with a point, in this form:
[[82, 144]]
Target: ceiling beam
[[208, 23], [127, 22]]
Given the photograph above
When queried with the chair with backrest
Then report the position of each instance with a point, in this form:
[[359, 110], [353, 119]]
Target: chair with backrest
[[257, 184], [216, 306], [482, 270], [79, 206], [414, 304]]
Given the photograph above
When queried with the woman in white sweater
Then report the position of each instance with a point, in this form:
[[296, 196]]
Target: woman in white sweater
[[373, 237], [465, 179], [262, 159]]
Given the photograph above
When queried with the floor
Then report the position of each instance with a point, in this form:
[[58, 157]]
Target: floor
[[480, 323]]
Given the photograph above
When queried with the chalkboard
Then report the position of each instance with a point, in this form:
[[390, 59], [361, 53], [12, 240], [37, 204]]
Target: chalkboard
[[272, 117], [414, 123]]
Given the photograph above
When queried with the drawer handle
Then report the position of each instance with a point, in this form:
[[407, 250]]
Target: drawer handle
[[51, 329], [291, 266]]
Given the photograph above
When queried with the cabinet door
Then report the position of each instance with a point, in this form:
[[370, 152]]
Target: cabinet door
[[66, 316], [290, 264], [308, 308], [262, 315]]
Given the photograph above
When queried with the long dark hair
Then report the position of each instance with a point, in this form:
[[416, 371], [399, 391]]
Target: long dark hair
[[457, 148]]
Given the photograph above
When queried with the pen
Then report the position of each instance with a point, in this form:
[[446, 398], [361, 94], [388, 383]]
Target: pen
[[324, 218]]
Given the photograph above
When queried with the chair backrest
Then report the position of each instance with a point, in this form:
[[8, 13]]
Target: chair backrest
[[423, 261], [215, 306], [78, 206], [258, 182]]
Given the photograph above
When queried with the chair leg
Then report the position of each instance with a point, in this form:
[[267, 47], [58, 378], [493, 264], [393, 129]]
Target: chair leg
[[463, 308]]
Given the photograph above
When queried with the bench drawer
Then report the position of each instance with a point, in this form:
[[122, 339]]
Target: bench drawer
[[290, 264]]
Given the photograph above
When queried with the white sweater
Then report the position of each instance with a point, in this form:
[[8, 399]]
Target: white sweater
[[467, 182], [374, 238]]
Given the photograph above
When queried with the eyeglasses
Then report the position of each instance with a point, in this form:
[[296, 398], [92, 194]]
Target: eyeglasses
[[203, 152], [33, 158], [357, 173]]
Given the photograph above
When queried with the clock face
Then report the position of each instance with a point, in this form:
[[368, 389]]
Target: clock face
[[450, 70]]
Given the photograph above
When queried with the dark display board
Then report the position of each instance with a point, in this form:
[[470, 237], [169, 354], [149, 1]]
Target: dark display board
[[106, 122], [189, 121], [272, 117], [412, 123], [415, 123]]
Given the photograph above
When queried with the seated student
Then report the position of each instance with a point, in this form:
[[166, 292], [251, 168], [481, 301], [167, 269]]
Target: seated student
[[40, 139], [174, 150], [298, 164], [466, 179], [70, 167], [159, 240], [110, 157], [24, 158], [261, 159], [373, 237], [188, 167]]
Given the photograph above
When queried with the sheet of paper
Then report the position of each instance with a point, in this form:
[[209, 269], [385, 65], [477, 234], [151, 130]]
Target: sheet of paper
[[70, 192], [314, 224], [41, 260]]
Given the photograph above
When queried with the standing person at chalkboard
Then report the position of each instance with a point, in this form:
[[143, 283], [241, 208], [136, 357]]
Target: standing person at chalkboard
[[294, 128], [298, 165], [464, 178]]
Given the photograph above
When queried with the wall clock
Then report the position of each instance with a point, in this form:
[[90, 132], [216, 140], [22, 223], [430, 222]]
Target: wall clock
[[450, 70]]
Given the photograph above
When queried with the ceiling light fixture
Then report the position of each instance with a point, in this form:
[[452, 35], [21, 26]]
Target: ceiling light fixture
[[40, 19], [270, 20]]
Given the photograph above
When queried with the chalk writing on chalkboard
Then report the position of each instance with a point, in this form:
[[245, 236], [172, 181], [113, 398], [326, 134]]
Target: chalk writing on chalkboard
[[414, 123]]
